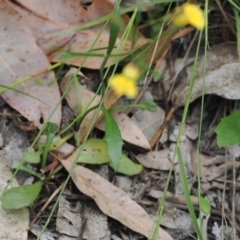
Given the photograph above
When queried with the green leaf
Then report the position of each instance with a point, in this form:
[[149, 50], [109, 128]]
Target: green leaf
[[113, 139], [148, 105], [127, 166], [33, 157], [51, 129], [20, 166], [115, 24], [21, 196], [228, 130], [205, 205], [93, 152], [187, 193]]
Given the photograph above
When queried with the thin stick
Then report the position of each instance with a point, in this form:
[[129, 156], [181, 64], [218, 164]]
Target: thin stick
[[226, 17], [146, 85], [160, 130], [45, 205], [50, 167]]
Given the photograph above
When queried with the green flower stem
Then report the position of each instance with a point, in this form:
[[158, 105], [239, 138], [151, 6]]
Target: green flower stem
[[155, 50]]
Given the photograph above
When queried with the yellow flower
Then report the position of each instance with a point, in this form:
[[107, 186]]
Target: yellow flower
[[189, 13], [125, 83], [131, 71]]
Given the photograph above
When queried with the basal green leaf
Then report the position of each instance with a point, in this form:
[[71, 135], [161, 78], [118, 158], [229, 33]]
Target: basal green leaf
[[22, 167], [51, 129], [148, 105], [21, 196], [33, 157], [93, 152], [127, 166], [228, 130], [113, 139]]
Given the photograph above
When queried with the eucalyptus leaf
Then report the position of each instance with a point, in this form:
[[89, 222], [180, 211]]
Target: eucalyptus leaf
[[21, 196]]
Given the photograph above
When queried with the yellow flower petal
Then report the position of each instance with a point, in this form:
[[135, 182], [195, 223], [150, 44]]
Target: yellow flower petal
[[189, 13], [180, 18], [122, 85], [131, 91], [131, 71]]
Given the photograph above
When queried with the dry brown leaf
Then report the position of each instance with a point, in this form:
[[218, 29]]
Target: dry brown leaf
[[129, 130], [157, 160], [223, 81], [86, 96], [21, 57], [127, 3], [64, 150], [68, 221], [149, 122], [212, 170], [113, 201], [53, 17]]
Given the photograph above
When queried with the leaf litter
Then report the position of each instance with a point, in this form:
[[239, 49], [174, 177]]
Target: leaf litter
[[71, 216], [129, 130], [63, 21], [21, 57], [10, 219], [113, 201], [222, 64]]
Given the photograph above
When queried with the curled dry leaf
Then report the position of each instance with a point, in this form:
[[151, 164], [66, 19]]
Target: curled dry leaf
[[157, 160], [212, 170], [53, 23], [21, 57], [221, 75], [223, 82], [69, 221], [113, 201]]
